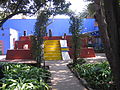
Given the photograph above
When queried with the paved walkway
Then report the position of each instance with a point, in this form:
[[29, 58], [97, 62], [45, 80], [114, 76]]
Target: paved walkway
[[62, 78]]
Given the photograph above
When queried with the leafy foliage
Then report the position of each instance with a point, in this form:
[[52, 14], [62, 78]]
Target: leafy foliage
[[10, 8], [98, 75], [24, 77], [91, 9], [31, 6], [80, 61]]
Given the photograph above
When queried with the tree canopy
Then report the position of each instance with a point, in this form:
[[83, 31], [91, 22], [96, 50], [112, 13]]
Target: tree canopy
[[9, 8]]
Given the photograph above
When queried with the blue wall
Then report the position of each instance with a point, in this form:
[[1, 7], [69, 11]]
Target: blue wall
[[5, 36], [88, 25], [58, 27], [61, 26], [21, 25]]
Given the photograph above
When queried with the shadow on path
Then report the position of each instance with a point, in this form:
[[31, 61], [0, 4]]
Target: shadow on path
[[62, 78]]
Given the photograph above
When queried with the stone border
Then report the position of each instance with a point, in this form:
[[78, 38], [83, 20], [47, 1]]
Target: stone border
[[83, 81]]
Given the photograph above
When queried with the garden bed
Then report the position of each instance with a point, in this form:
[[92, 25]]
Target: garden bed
[[82, 80], [94, 76], [24, 77]]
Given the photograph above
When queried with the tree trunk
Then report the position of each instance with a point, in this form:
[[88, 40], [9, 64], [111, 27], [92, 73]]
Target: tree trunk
[[100, 18], [74, 50], [113, 27]]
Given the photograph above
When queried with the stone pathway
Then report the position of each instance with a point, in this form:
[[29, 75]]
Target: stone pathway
[[62, 78]]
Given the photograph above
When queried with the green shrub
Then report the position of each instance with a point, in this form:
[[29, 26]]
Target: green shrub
[[24, 77], [97, 75], [80, 61]]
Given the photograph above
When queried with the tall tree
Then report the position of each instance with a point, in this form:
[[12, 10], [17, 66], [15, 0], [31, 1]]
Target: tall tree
[[75, 28], [40, 31], [112, 13], [96, 11], [107, 16]]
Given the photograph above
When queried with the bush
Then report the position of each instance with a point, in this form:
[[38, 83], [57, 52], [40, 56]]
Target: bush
[[98, 75], [24, 77], [81, 61]]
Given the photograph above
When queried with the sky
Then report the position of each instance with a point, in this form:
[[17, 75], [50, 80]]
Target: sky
[[77, 6]]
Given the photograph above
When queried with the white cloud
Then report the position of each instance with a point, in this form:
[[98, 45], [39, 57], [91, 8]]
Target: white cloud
[[77, 5], [60, 16]]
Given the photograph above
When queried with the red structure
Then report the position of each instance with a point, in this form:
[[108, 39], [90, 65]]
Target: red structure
[[20, 44], [53, 38], [85, 52], [22, 48], [18, 54]]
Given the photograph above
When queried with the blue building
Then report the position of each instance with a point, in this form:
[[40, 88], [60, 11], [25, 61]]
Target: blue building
[[14, 28]]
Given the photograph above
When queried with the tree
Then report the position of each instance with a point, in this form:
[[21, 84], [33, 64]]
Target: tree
[[40, 30], [9, 8], [107, 15], [75, 28], [112, 14], [96, 10]]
